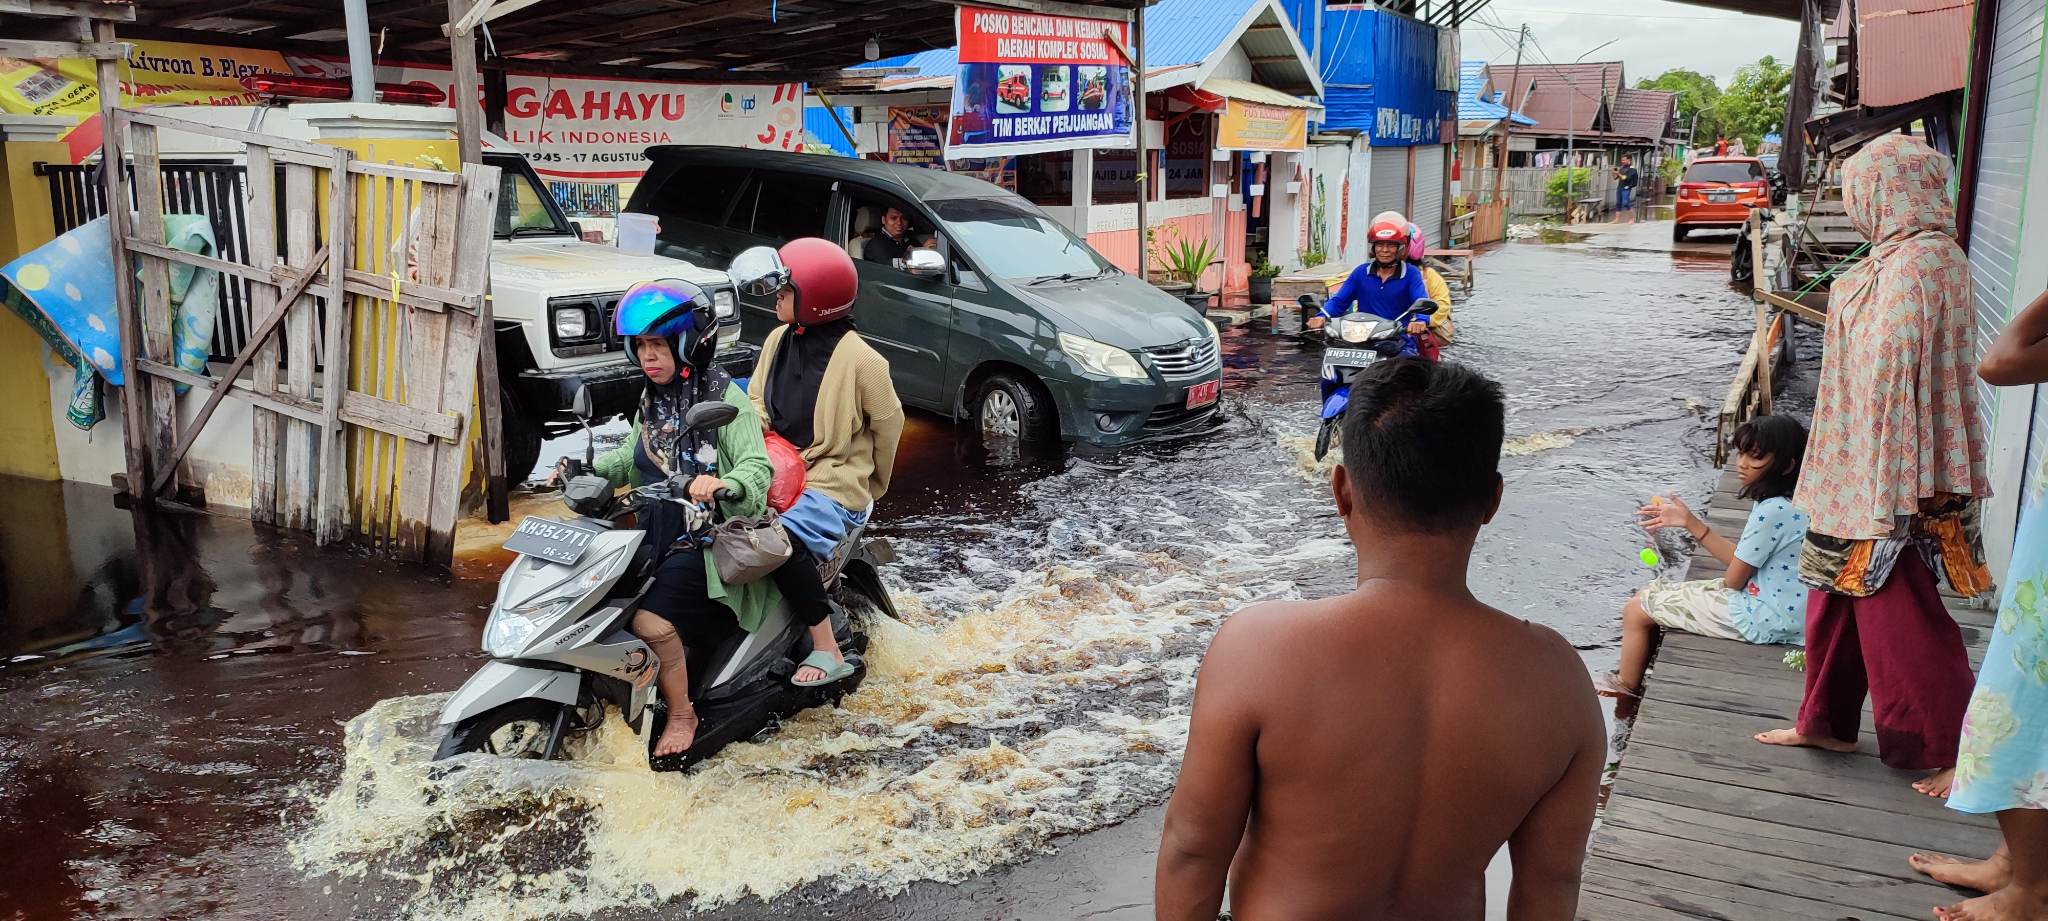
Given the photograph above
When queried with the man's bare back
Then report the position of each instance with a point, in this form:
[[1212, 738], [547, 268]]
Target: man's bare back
[[1366, 756]]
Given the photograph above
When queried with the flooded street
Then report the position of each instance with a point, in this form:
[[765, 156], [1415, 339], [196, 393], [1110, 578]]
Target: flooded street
[[201, 721]]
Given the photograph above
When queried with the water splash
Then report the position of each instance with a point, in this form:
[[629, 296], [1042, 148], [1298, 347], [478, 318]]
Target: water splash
[[1020, 698]]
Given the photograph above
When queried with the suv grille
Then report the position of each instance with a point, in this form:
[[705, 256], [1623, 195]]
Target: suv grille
[[1177, 416], [1188, 359], [605, 307]]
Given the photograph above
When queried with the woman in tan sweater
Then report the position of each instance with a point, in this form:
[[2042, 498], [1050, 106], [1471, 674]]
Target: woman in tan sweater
[[821, 387]]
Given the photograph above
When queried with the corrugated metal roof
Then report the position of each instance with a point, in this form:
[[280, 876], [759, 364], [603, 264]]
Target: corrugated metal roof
[[1253, 92], [1645, 114], [1561, 98], [1475, 103], [1908, 50]]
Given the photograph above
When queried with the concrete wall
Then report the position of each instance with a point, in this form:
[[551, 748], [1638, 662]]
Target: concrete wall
[[219, 460]]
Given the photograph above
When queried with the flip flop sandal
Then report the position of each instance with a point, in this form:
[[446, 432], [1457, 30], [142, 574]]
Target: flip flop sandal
[[1609, 685], [834, 669]]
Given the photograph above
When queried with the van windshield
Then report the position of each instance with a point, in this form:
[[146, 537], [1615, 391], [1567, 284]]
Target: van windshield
[[525, 208], [1013, 240]]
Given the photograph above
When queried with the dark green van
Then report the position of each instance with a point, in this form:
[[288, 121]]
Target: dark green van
[[1018, 326]]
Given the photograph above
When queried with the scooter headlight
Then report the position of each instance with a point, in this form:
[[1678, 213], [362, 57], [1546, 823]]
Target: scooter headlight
[[1354, 329], [510, 630]]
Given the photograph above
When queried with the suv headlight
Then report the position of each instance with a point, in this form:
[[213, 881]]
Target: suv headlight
[[724, 303], [1215, 335], [1099, 358], [571, 323]]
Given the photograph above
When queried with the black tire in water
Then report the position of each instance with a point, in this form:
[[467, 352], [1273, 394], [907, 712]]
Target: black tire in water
[[1006, 408], [1742, 261], [1325, 437], [522, 439], [1679, 233], [516, 730]]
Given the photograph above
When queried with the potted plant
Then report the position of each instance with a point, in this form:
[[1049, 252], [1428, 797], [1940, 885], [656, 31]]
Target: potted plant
[[1186, 261], [1262, 281]]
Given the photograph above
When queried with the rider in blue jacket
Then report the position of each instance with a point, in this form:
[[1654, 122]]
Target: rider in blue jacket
[[1385, 287]]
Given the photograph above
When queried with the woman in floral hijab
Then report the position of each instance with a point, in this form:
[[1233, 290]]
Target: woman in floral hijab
[[1893, 471]]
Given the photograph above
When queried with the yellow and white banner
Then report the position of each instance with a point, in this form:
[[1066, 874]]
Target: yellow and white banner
[[154, 74]]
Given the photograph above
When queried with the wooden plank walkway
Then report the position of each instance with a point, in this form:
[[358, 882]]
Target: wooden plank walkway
[[1706, 823]]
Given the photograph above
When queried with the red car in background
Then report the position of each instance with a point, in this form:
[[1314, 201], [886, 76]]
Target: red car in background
[[1718, 192]]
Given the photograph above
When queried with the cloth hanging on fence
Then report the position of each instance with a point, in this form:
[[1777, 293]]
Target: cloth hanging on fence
[[64, 291]]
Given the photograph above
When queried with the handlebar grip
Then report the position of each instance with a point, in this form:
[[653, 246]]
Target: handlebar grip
[[723, 495]]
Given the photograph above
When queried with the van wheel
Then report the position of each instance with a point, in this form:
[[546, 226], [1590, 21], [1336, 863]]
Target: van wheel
[[1008, 409], [522, 439], [1679, 233]]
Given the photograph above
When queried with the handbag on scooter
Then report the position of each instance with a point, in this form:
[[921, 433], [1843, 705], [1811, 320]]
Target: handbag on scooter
[[746, 549]]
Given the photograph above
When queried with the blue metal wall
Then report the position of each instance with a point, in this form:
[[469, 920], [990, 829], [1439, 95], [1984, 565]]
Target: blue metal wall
[[1379, 73]]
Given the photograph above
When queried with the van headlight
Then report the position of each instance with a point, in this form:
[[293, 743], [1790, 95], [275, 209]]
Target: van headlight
[[1215, 335], [1099, 358], [571, 323], [724, 303]]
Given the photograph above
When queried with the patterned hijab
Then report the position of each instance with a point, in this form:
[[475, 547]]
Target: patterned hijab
[[1895, 421]]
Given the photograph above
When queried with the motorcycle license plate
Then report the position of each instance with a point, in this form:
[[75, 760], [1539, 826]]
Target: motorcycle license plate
[[1204, 393], [1349, 358], [555, 541]]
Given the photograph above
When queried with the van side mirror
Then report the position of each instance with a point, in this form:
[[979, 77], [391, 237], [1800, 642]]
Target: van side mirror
[[925, 263], [580, 405]]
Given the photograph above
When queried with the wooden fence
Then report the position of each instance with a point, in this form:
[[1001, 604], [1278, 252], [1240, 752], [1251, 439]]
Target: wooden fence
[[1527, 189], [377, 304]]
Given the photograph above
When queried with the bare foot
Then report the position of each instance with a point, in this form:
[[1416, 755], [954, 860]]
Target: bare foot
[[1981, 875], [1792, 738], [1936, 784], [2009, 904], [680, 732]]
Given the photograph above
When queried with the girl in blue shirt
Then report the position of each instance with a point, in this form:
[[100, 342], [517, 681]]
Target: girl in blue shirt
[[1761, 599]]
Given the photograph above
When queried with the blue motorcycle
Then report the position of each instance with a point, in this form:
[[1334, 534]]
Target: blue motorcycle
[[1358, 340]]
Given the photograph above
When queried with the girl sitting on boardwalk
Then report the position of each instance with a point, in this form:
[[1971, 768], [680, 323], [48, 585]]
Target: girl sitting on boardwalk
[[1761, 599]]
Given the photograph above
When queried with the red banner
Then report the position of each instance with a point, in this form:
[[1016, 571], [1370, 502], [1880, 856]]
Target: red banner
[[998, 36]]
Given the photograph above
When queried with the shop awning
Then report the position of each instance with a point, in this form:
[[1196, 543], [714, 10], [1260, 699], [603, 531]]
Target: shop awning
[[1254, 93]]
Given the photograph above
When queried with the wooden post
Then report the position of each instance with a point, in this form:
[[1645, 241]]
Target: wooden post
[[113, 160], [154, 298], [1757, 250], [1507, 122], [469, 252], [259, 218], [302, 439], [469, 111], [331, 491]]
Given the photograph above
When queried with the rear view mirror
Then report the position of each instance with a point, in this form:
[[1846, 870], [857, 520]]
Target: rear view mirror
[[580, 405], [1306, 300], [1424, 307], [706, 417], [925, 263]]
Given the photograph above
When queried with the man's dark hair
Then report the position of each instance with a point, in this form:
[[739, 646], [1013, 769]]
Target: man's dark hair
[[1783, 440], [1422, 444]]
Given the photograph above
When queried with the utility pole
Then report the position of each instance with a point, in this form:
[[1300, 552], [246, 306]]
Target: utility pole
[[1507, 122]]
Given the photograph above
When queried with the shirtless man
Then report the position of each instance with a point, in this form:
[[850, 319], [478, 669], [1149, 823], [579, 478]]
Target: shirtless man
[[1366, 756]]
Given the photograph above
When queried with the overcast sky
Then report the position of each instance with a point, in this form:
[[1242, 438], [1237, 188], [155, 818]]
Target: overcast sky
[[1653, 35]]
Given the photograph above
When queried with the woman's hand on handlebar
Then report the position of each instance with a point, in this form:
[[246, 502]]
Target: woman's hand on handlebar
[[706, 488], [1316, 321]]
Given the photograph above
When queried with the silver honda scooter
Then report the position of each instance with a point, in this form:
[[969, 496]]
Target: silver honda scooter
[[558, 639]]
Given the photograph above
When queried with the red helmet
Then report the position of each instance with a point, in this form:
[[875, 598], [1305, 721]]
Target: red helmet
[[1389, 227], [823, 277]]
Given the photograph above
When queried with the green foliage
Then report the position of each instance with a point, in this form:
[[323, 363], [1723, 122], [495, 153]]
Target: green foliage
[[1671, 170], [1567, 184], [1186, 260], [1264, 269], [1754, 103], [1313, 258], [1697, 94]]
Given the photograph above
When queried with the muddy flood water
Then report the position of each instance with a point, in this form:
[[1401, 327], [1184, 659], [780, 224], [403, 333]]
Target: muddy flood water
[[203, 720]]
